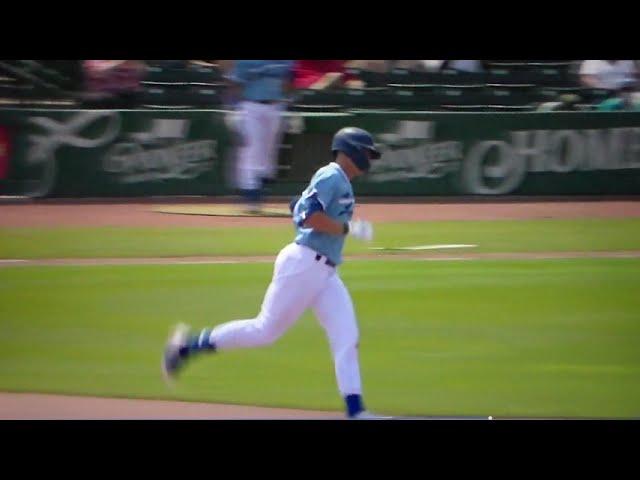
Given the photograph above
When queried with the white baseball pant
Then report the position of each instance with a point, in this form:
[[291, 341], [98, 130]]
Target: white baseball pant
[[299, 282], [261, 130]]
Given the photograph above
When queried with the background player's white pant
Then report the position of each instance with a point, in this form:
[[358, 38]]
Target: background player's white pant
[[300, 282], [261, 131]]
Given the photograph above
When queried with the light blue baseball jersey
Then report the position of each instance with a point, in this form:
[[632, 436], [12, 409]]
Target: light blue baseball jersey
[[262, 80], [331, 187]]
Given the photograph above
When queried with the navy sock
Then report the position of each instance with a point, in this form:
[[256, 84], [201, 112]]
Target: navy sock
[[354, 404], [252, 196], [198, 342]]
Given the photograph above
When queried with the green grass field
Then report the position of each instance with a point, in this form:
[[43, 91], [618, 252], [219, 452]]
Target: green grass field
[[533, 338], [496, 236]]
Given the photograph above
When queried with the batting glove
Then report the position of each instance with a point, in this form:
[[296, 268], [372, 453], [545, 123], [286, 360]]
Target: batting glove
[[361, 229]]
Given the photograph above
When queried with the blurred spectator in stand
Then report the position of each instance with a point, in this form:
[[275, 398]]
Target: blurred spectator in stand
[[261, 88], [323, 74], [569, 102], [204, 63], [113, 82], [608, 74], [625, 98], [438, 65], [417, 65], [225, 66], [378, 66], [463, 65]]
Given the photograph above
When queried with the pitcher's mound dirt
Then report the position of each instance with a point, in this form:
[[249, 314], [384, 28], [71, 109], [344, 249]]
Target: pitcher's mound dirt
[[139, 214]]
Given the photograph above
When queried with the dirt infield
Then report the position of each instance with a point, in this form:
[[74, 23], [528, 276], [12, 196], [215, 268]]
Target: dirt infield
[[140, 214], [31, 406]]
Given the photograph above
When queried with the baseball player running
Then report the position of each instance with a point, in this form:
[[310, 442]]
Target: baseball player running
[[322, 218], [262, 85]]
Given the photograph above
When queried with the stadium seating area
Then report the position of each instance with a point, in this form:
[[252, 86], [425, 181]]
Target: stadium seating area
[[39, 84], [512, 86]]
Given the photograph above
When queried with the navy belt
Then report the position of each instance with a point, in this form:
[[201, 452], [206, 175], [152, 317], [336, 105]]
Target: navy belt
[[326, 261], [319, 257]]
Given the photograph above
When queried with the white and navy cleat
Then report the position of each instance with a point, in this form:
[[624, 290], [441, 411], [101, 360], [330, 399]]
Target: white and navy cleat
[[172, 358], [365, 415]]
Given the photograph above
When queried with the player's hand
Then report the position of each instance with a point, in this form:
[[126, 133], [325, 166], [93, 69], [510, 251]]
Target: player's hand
[[361, 229]]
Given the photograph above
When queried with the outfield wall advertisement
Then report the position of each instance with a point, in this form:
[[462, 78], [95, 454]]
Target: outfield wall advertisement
[[147, 152], [5, 146]]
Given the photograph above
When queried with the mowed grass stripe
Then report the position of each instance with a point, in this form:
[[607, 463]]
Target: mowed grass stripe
[[489, 236]]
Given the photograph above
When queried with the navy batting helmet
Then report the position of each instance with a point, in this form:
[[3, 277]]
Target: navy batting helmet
[[354, 142]]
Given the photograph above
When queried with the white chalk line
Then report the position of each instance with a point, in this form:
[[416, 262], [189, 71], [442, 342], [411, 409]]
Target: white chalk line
[[425, 247], [7, 263]]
